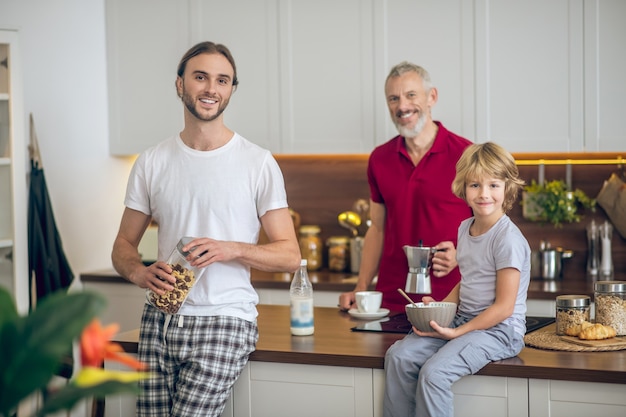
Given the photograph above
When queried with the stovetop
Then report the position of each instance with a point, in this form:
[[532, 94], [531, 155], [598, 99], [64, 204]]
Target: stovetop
[[400, 324]]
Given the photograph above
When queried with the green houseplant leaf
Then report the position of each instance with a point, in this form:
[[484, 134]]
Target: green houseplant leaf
[[70, 395], [8, 312], [553, 202], [33, 347]]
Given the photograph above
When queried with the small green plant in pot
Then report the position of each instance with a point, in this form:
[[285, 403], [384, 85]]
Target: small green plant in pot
[[554, 203]]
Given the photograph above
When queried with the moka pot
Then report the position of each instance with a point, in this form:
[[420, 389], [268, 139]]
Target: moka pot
[[420, 261]]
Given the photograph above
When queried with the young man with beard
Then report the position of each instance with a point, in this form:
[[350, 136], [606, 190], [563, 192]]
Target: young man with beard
[[410, 179], [211, 183]]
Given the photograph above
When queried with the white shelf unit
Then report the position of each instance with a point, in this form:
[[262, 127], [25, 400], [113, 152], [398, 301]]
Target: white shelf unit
[[13, 178]]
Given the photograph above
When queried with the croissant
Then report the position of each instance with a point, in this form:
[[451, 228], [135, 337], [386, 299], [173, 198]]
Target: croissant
[[576, 329], [597, 332]]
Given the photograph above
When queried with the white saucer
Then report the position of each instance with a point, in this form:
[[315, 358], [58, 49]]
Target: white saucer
[[382, 312]]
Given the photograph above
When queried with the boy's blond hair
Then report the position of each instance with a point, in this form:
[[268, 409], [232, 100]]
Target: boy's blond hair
[[488, 160]]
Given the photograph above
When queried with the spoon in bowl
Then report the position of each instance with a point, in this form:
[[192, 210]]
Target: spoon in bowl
[[407, 297]]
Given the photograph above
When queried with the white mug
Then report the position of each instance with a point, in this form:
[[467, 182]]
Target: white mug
[[368, 301]]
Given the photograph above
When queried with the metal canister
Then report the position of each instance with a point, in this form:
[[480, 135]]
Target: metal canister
[[356, 250], [551, 261]]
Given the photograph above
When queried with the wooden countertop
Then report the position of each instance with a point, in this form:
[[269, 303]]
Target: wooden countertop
[[329, 281], [334, 344]]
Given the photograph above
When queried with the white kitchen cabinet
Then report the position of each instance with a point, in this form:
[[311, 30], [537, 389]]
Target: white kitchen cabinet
[[280, 389], [145, 41], [124, 306], [534, 76], [474, 395], [547, 75], [575, 399], [304, 87], [13, 184], [543, 308], [281, 297], [252, 35], [277, 389], [437, 35], [269, 389], [478, 396], [605, 87], [529, 64], [310, 64]]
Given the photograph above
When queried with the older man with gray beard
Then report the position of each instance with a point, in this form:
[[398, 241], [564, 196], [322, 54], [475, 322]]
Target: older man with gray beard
[[410, 179]]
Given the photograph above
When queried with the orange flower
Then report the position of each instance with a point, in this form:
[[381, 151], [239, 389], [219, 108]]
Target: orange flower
[[96, 346]]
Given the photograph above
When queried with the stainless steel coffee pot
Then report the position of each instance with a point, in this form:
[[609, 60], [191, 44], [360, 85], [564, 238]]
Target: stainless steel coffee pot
[[420, 261], [551, 260]]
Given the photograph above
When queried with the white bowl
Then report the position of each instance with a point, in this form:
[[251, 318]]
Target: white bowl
[[441, 312]]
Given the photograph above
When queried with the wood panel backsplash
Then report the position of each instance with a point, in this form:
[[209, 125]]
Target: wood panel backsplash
[[319, 187]]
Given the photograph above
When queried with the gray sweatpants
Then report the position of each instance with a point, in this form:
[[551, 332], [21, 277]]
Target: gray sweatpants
[[420, 371]]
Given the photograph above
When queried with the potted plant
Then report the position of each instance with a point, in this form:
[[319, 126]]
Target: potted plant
[[553, 202], [33, 348]]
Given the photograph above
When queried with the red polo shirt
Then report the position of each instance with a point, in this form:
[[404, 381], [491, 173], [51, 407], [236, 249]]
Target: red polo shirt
[[420, 205]]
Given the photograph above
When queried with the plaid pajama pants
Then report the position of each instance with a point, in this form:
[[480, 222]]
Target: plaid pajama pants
[[195, 361]]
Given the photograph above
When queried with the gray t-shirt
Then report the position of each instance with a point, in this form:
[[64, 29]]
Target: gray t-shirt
[[480, 257]]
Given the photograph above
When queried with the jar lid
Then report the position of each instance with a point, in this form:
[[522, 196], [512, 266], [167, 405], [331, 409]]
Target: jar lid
[[610, 286], [572, 301], [338, 240], [309, 229], [182, 242]]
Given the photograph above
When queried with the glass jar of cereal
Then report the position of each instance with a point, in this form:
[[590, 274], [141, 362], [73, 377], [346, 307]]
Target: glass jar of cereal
[[571, 310], [338, 253], [171, 301], [610, 303], [311, 246]]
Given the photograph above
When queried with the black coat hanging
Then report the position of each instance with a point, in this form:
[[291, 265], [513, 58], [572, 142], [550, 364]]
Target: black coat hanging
[[48, 266]]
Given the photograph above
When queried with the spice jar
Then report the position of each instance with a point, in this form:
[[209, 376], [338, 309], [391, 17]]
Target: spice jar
[[610, 300], [311, 246], [571, 310], [338, 253], [171, 301]]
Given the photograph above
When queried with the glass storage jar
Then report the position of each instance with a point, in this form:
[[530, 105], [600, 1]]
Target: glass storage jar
[[610, 304], [311, 246], [171, 301], [571, 310], [338, 253]]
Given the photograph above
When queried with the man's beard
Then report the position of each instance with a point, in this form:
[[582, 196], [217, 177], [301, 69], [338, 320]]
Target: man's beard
[[413, 132], [190, 103]]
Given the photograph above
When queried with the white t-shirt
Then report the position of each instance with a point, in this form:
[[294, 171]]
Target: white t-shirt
[[480, 257], [220, 194]]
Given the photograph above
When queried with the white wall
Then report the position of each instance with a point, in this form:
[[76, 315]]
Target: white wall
[[62, 48]]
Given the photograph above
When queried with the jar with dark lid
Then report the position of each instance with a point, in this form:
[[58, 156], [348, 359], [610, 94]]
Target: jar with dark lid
[[185, 275], [311, 246], [571, 310], [610, 303], [338, 253]]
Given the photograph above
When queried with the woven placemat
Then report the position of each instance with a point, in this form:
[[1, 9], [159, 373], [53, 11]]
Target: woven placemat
[[546, 338]]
